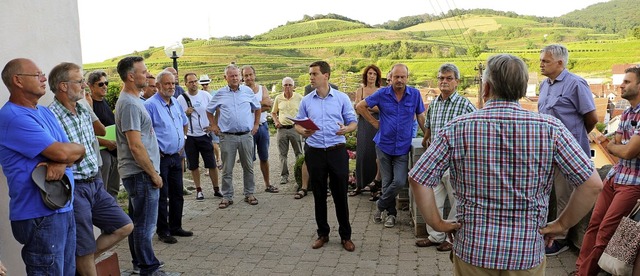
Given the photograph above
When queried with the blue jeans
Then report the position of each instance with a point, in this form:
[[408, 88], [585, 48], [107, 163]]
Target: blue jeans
[[49, 244], [143, 210], [394, 171], [261, 142]]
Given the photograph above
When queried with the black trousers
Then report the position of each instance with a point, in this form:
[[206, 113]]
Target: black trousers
[[171, 173], [333, 164]]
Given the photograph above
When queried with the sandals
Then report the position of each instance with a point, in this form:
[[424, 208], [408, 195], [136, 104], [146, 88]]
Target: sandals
[[271, 189], [375, 196], [225, 203], [374, 186], [252, 200], [355, 192], [300, 194]]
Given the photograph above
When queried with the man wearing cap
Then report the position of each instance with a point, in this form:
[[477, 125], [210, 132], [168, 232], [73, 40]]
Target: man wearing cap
[[198, 142], [170, 125], [286, 106], [92, 205], [261, 138], [204, 82], [237, 116], [30, 136]]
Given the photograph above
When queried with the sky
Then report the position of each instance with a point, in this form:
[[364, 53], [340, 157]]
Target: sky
[[123, 26]]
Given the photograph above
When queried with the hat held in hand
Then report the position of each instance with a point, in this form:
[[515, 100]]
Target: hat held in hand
[[55, 194]]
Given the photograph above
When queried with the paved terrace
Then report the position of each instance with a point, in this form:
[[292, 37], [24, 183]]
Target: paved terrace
[[275, 237]]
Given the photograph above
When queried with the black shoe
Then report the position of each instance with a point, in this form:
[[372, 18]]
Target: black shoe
[[217, 194], [167, 239], [182, 233]]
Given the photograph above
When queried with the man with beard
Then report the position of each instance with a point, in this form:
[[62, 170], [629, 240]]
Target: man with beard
[[92, 205], [170, 125]]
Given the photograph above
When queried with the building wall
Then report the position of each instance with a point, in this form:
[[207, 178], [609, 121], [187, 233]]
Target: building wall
[[47, 32]]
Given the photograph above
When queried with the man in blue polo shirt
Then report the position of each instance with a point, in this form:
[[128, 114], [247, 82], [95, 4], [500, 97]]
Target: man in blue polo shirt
[[170, 124], [325, 152], [236, 120], [398, 105], [30, 135]]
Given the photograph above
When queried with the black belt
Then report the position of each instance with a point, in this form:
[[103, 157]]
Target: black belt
[[334, 147], [235, 133], [287, 127], [86, 180], [162, 154]]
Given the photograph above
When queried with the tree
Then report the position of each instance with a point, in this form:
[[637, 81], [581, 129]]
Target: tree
[[474, 51]]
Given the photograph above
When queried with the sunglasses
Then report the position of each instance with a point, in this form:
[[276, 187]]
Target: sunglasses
[[101, 84]]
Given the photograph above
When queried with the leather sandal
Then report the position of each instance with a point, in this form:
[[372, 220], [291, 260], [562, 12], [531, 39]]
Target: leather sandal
[[252, 200], [271, 189], [300, 194], [225, 203]]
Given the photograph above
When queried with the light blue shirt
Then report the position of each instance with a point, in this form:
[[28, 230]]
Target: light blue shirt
[[236, 108], [326, 113], [168, 123]]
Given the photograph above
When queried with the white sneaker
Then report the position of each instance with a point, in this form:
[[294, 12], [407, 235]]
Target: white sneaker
[[390, 221], [377, 216], [200, 196]]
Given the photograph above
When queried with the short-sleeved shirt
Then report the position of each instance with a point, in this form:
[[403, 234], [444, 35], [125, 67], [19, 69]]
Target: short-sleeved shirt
[[179, 91], [168, 123], [24, 134], [199, 120], [627, 171], [286, 107], [442, 111], [501, 161], [568, 98], [326, 113], [132, 116], [394, 136], [79, 129], [236, 108]]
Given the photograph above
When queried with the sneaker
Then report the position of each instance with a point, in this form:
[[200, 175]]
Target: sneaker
[[390, 221], [200, 196], [136, 268], [216, 194], [556, 248], [377, 216]]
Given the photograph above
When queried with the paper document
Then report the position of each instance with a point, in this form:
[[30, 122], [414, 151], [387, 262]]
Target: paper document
[[305, 122]]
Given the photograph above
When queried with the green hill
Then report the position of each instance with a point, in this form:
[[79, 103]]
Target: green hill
[[617, 16], [349, 46]]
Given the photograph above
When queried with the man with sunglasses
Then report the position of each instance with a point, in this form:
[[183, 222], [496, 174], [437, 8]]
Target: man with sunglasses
[[92, 205], [448, 105], [98, 84], [31, 136]]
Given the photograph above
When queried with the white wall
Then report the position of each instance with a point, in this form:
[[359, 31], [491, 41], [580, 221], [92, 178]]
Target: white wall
[[47, 32]]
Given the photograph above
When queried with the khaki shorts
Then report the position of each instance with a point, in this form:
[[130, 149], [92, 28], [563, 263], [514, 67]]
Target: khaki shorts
[[460, 268]]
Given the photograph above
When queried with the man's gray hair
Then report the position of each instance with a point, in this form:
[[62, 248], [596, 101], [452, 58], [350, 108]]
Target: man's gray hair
[[230, 67], [450, 67], [507, 75], [164, 73], [288, 78], [557, 51]]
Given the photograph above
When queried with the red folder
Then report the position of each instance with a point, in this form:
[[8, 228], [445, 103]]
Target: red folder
[[305, 122]]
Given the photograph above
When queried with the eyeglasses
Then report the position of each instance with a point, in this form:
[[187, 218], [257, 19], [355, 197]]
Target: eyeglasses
[[101, 84], [446, 78], [77, 81], [287, 84], [192, 82], [37, 75]]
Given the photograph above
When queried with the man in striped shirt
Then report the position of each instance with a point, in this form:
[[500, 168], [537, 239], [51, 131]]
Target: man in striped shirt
[[502, 161], [441, 110]]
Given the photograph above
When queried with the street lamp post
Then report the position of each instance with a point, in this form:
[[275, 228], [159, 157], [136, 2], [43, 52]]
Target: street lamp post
[[174, 51]]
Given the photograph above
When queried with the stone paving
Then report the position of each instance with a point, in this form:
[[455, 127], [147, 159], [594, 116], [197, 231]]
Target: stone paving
[[275, 237]]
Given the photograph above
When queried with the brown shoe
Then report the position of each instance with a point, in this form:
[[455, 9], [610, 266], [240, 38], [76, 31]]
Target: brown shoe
[[426, 243], [320, 242], [348, 245], [445, 246]]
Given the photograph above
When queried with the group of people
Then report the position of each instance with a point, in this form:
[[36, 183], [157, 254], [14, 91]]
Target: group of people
[[497, 166]]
